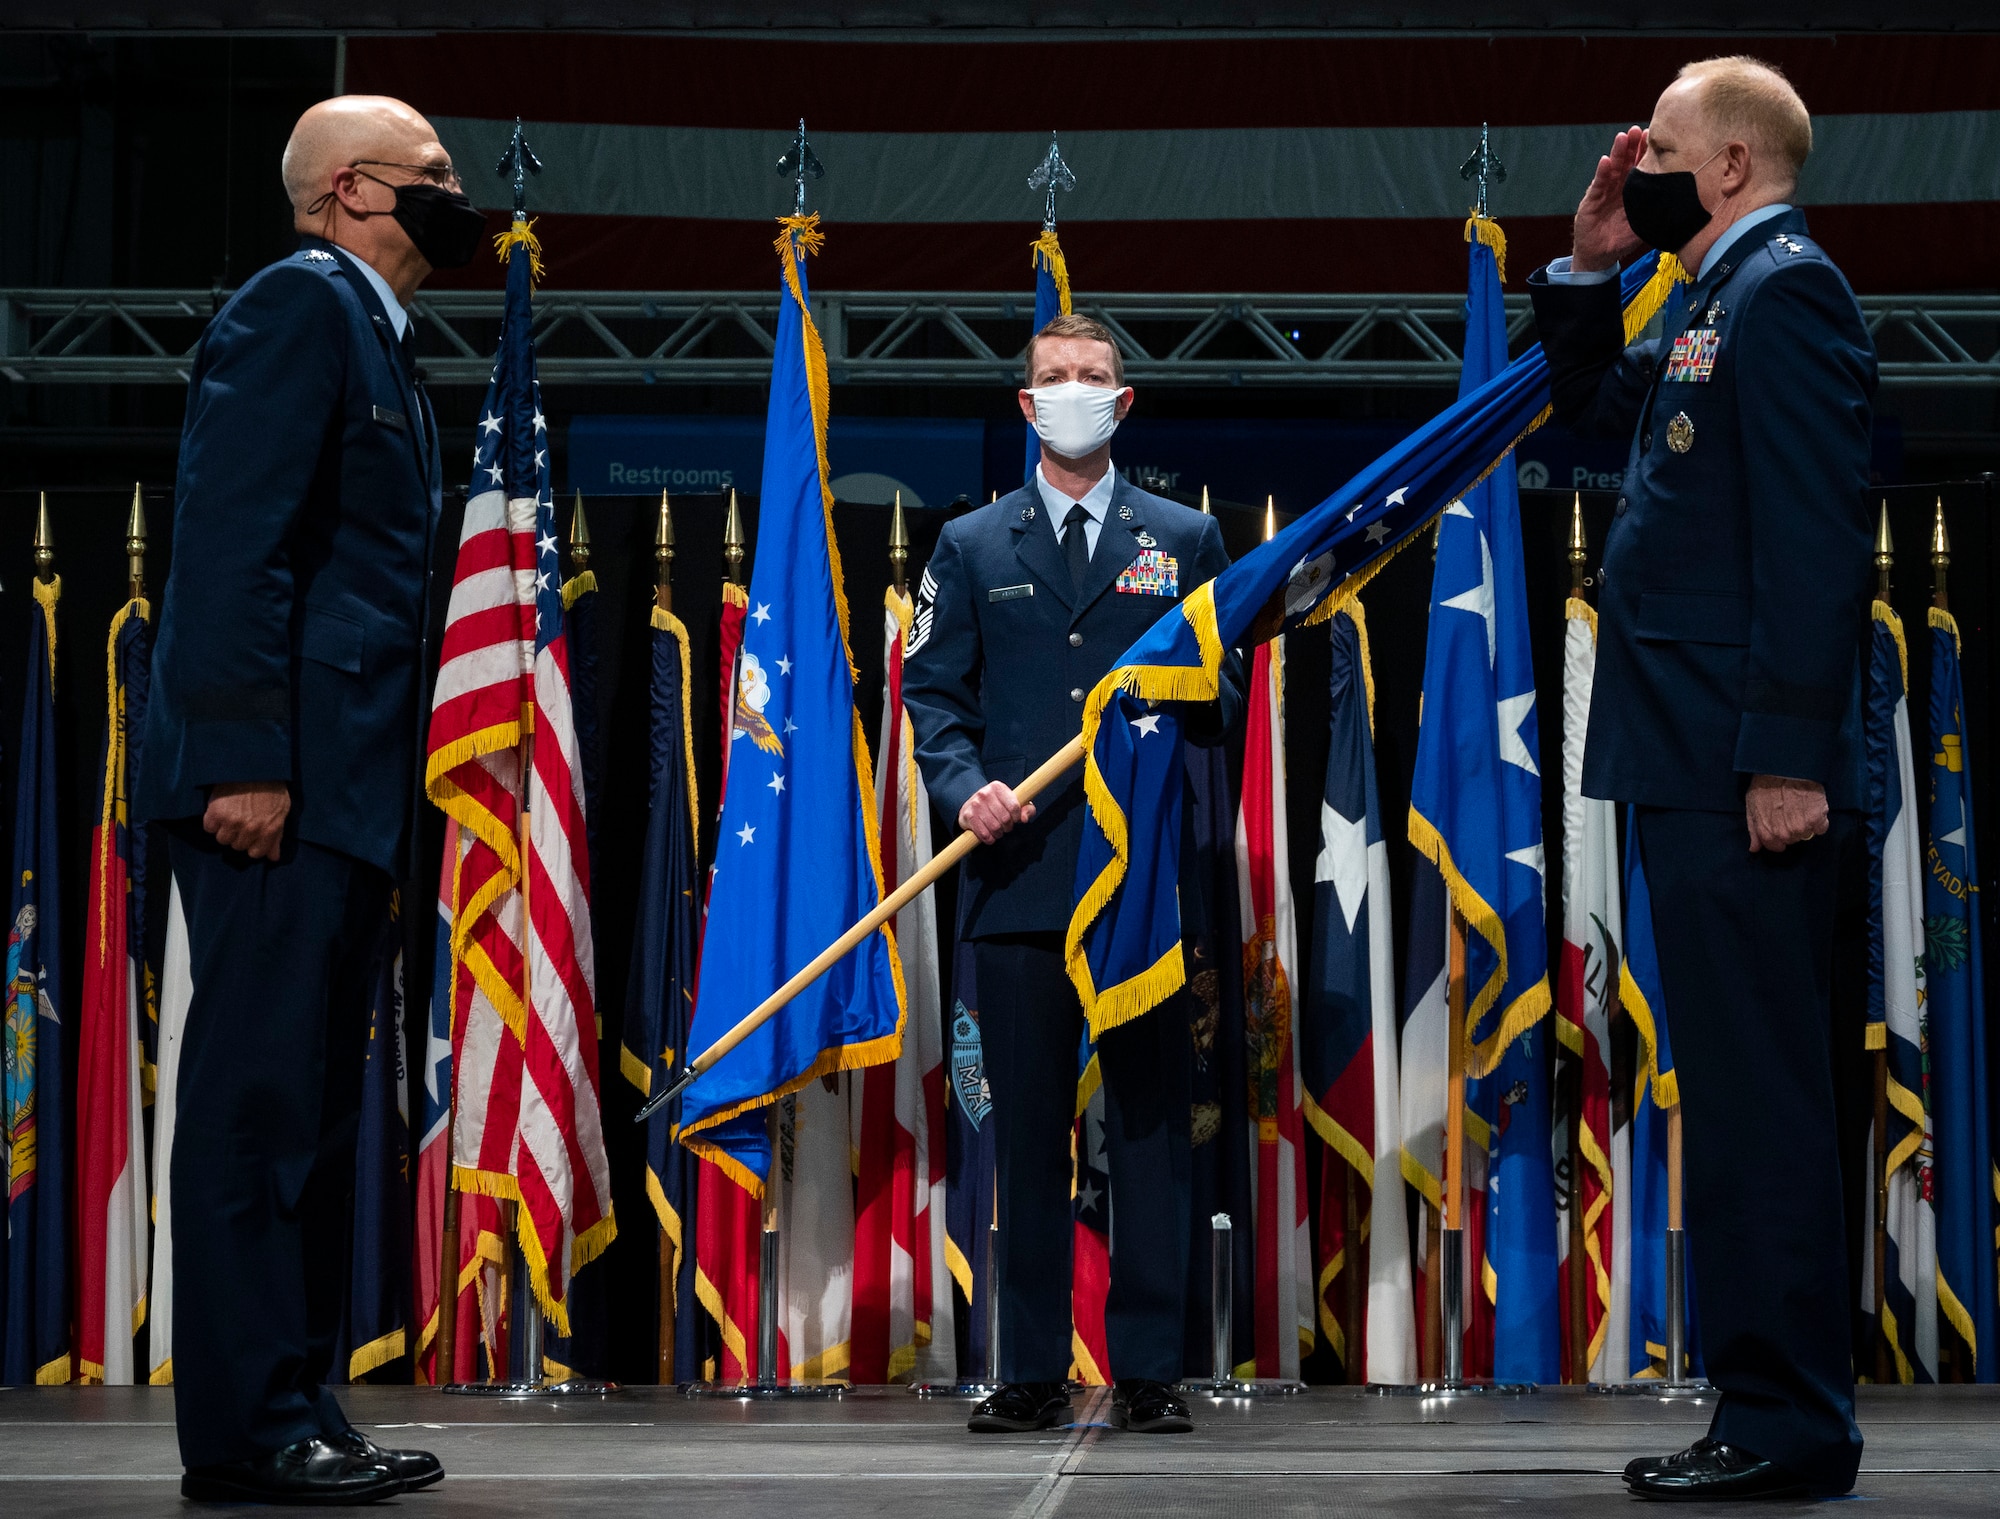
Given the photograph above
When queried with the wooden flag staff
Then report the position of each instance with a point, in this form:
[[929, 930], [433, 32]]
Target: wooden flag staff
[[1051, 770]]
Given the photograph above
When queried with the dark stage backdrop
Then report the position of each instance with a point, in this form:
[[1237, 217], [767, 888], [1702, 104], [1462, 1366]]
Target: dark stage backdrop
[[89, 533]]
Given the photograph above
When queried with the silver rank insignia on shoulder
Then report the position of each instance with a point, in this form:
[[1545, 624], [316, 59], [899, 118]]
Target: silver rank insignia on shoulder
[[1124, 514], [1147, 540], [318, 256], [1680, 433], [1784, 240], [1027, 514]]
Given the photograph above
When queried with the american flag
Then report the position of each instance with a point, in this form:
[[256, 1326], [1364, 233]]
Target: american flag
[[503, 764]]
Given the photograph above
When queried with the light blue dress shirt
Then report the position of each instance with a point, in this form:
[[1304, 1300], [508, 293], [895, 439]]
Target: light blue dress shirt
[[1097, 503]]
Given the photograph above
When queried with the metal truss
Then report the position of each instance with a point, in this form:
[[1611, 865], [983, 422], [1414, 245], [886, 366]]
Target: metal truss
[[147, 337]]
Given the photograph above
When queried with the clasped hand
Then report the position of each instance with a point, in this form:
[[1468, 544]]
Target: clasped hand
[[1781, 811], [249, 815]]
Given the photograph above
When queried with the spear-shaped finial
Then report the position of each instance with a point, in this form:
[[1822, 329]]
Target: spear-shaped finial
[[1051, 174], [798, 163], [1579, 546], [1483, 167], [1940, 558], [732, 541], [1885, 552], [45, 543], [519, 161], [579, 535], [135, 544], [1204, 503], [663, 557], [1270, 518], [899, 545]]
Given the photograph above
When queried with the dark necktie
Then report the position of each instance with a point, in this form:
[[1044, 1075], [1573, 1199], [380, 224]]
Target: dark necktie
[[1076, 547]]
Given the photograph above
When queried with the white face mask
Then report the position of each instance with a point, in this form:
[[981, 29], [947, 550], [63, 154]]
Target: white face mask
[[1075, 419]]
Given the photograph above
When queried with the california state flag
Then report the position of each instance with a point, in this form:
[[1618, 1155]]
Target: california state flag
[[1586, 988], [902, 1289], [1285, 1288]]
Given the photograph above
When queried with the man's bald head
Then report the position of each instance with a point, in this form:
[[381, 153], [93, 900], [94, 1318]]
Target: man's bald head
[[346, 130]]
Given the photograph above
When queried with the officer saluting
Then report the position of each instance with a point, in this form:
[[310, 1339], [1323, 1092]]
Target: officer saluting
[[1727, 706], [281, 751], [1024, 607]]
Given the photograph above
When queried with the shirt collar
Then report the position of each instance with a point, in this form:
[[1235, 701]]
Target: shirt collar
[[1097, 502], [398, 317], [1729, 239]]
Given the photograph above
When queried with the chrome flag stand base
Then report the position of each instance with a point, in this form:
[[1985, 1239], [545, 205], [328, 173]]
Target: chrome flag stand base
[[986, 1385], [1222, 1381], [529, 1356], [1451, 1300], [766, 1388], [1675, 1384]]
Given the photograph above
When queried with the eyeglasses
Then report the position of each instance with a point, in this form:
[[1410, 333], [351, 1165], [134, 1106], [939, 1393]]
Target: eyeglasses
[[443, 175]]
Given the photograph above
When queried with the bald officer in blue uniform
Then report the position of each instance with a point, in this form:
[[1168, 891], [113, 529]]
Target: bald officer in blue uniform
[[281, 751], [1023, 608], [1727, 706]]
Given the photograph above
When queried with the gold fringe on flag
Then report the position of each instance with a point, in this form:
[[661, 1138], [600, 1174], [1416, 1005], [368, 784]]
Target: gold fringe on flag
[[520, 233], [1046, 252]]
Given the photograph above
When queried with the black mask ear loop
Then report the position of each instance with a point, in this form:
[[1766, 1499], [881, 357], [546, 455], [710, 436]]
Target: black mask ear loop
[[319, 205]]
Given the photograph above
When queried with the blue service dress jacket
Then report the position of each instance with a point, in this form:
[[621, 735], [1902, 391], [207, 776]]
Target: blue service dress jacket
[[1003, 653], [1733, 601], [292, 634]]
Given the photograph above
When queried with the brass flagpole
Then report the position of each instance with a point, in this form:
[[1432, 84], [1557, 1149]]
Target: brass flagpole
[[669, 1278]]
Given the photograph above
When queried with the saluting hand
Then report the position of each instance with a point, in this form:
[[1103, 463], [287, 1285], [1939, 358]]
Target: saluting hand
[[249, 815], [1601, 236], [992, 810], [1781, 811]]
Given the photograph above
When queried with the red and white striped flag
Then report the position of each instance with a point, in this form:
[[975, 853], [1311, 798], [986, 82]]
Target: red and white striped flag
[[902, 1325], [1285, 1286], [1586, 989], [503, 765]]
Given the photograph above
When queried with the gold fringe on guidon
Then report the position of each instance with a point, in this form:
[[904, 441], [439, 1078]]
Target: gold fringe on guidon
[[1484, 229], [801, 235], [577, 587], [1940, 618], [520, 233], [1045, 252]]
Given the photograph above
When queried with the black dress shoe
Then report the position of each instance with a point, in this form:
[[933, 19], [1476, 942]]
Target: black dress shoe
[[417, 1468], [1711, 1471], [1149, 1408], [307, 1471], [1020, 1407]]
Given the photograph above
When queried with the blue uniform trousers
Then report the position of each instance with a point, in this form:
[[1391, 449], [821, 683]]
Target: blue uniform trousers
[[1747, 956], [263, 1161], [1031, 1025]]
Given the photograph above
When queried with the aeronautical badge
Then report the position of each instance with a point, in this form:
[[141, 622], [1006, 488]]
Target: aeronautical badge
[[1680, 433], [1147, 540], [968, 1067], [1153, 573], [1693, 356]]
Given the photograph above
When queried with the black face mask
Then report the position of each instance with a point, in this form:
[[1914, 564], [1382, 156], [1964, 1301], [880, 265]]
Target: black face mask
[[1665, 210], [444, 224]]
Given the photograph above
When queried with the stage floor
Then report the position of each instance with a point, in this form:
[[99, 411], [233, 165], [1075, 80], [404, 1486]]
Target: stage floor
[[1933, 1453]]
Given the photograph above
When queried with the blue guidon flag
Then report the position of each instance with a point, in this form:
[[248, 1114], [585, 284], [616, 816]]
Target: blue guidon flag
[[1123, 944], [797, 856]]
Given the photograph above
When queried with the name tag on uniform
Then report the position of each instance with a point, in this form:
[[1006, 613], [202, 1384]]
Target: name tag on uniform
[[1693, 356], [1009, 592], [1153, 573], [390, 418]]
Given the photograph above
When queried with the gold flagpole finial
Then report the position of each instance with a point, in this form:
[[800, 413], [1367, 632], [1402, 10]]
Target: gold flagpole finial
[[45, 543], [732, 541], [135, 543], [663, 557], [1885, 552], [1940, 557], [1579, 546], [579, 535], [899, 545], [1204, 503], [1270, 518]]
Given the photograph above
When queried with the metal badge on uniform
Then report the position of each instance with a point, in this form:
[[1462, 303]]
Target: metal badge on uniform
[[1147, 540], [1693, 356], [1009, 592], [317, 256], [1124, 514], [1680, 433], [1151, 574], [390, 418], [1027, 514]]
